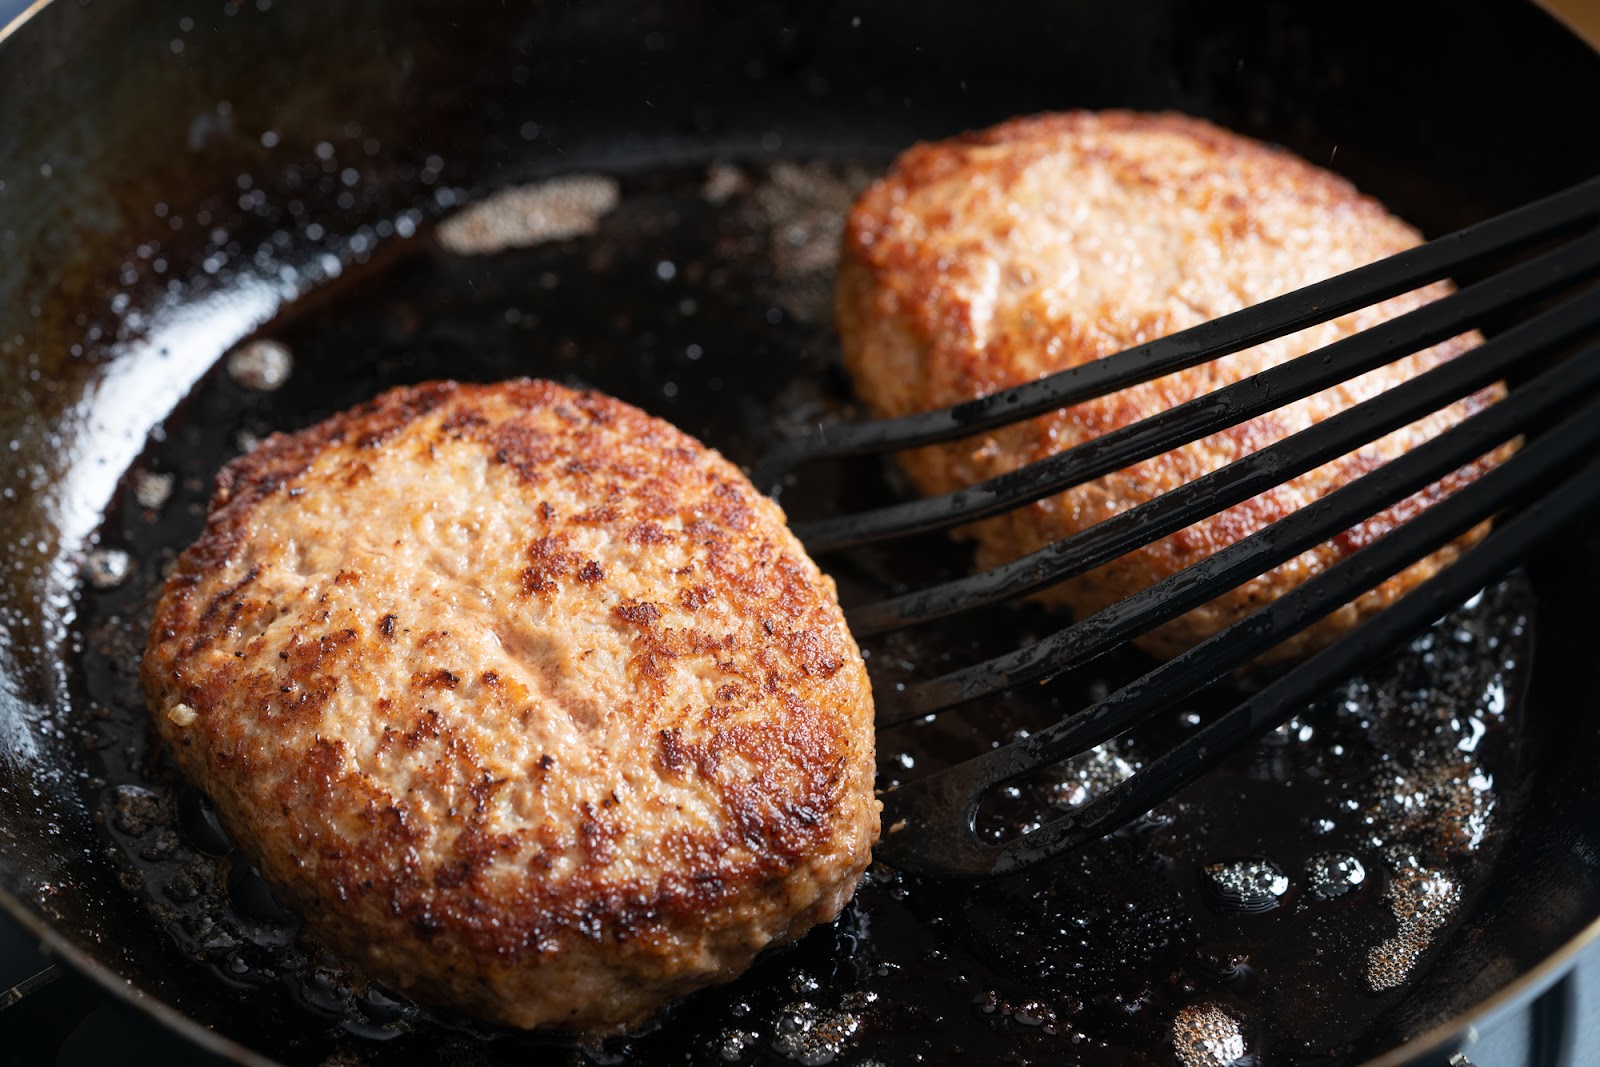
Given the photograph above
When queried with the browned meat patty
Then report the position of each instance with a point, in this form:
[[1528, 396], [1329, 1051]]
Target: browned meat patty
[[527, 702], [998, 257]]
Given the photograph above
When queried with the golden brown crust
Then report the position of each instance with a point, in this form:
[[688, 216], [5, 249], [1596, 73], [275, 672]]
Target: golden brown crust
[[997, 257], [527, 701]]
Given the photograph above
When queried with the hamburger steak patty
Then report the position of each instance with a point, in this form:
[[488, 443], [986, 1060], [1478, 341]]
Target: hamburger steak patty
[[999, 257], [526, 701]]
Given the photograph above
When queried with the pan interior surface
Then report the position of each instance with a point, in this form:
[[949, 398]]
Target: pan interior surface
[[304, 216]]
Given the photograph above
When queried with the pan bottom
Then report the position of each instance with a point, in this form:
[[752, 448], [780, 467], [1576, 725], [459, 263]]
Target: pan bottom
[[1271, 913]]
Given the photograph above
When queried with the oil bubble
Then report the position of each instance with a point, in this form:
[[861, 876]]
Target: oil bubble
[[1203, 1035], [1331, 875], [1245, 885]]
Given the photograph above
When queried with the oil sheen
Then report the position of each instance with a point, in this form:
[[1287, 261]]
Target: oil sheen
[[1269, 914]]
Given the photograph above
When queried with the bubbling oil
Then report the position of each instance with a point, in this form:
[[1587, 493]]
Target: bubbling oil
[[1268, 914]]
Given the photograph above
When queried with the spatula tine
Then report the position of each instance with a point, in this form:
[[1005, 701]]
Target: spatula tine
[[1440, 258], [1290, 381], [1529, 406], [1240, 480], [932, 819]]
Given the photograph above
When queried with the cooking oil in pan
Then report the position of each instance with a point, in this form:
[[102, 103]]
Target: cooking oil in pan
[[1269, 914]]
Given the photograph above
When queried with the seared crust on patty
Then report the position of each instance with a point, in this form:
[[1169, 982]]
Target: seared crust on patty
[[525, 700], [998, 257]]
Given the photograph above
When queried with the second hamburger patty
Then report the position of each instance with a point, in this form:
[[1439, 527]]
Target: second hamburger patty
[[528, 702], [999, 257]]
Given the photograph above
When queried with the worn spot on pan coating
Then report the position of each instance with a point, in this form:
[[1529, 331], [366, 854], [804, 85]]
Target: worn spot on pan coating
[[724, 181], [260, 365], [529, 215], [803, 207], [107, 568], [152, 490]]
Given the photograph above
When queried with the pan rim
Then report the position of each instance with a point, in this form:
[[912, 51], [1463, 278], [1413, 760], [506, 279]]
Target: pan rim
[[125, 990], [23, 16], [1457, 1030], [1491, 1010]]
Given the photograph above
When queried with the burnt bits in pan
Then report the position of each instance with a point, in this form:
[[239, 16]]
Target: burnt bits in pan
[[1117, 952]]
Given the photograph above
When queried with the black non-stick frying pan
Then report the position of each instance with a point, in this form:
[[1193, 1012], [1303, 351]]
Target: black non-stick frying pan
[[175, 176]]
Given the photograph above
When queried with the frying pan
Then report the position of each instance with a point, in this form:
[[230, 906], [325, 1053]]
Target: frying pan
[[173, 175]]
